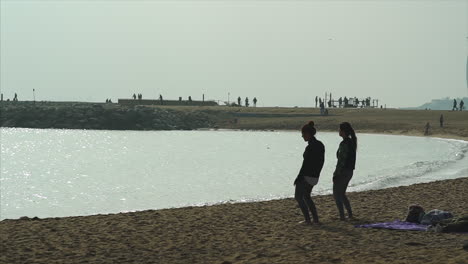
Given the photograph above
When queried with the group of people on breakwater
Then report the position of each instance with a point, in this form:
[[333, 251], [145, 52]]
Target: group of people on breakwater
[[346, 102], [314, 157], [247, 104]]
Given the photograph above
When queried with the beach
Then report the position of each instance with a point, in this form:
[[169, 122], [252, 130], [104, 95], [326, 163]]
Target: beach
[[260, 232]]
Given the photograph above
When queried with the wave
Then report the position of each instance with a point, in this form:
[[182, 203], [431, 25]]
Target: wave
[[418, 172]]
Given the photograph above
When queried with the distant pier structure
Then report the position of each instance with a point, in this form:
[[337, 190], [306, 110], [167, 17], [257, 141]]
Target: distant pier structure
[[166, 102]]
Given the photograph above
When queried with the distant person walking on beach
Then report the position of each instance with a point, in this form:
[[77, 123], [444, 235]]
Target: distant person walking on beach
[[441, 120], [346, 155], [461, 105], [239, 101], [134, 96], [454, 105], [314, 157], [255, 101], [316, 101], [426, 129]]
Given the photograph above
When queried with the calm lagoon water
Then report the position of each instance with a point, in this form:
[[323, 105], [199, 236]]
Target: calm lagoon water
[[52, 172]]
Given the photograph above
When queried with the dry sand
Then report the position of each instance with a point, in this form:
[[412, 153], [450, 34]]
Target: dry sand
[[261, 232]]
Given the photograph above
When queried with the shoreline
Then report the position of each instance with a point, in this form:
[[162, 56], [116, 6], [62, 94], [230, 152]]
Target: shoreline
[[75, 115]]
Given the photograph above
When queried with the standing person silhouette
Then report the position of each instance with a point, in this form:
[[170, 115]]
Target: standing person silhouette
[[346, 155], [454, 105], [426, 129], [461, 105], [314, 157]]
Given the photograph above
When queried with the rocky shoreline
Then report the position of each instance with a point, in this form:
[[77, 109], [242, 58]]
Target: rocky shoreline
[[111, 116], [99, 116]]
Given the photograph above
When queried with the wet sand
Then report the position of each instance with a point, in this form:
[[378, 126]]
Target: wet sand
[[260, 232]]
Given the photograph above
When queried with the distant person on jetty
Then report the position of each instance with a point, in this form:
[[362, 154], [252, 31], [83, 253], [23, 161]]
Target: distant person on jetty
[[441, 120], [461, 105], [246, 102], [314, 157], [454, 105], [346, 155], [255, 101], [316, 101], [239, 101]]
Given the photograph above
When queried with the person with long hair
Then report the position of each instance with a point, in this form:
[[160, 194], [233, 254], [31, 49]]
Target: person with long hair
[[314, 157], [346, 163]]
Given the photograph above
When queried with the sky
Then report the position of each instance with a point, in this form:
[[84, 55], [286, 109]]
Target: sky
[[285, 53]]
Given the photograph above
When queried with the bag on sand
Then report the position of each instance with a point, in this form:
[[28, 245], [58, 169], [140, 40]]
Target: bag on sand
[[415, 214], [435, 216], [459, 225]]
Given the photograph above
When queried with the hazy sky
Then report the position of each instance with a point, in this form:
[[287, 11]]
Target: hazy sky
[[283, 52]]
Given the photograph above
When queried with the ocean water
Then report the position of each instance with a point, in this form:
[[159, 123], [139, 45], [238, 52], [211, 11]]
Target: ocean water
[[54, 172]]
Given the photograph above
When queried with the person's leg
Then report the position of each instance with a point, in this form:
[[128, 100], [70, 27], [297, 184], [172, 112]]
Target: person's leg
[[310, 203], [338, 195], [347, 204], [299, 196]]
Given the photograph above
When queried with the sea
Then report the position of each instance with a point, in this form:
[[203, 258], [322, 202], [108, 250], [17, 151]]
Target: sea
[[61, 172]]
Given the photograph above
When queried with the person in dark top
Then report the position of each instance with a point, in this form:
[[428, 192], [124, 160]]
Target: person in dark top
[[314, 157], [346, 155], [426, 129]]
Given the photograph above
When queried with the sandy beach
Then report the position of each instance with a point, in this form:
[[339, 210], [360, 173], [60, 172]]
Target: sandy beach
[[261, 232]]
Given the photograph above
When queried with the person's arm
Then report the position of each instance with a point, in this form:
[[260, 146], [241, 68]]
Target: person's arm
[[304, 167], [320, 159], [343, 155], [317, 160]]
